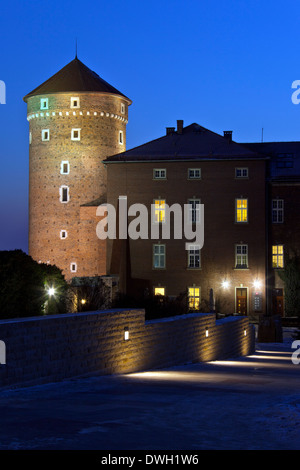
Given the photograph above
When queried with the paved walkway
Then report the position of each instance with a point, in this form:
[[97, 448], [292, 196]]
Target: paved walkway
[[249, 403]]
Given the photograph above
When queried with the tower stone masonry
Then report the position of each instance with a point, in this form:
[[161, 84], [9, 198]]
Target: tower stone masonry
[[76, 120]]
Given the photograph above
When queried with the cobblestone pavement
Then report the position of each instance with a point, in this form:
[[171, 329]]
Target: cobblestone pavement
[[246, 403]]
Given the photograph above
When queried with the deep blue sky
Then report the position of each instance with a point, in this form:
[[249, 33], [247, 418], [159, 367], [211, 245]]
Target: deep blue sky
[[227, 65]]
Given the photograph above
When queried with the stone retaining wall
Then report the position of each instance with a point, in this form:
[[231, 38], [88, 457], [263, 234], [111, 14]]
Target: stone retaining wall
[[52, 348]]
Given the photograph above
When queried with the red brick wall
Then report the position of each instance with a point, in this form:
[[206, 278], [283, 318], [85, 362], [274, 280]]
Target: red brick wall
[[217, 189], [86, 180]]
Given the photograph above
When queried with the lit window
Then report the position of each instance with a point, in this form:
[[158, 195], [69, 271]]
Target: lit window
[[159, 211], [194, 173], [194, 298], [44, 103], [45, 135], [64, 195], [120, 137], [194, 256], [63, 234], [277, 211], [241, 256], [73, 267], [159, 291], [159, 173], [194, 210], [75, 134], [75, 103], [122, 108], [65, 168], [277, 256], [241, 210], [159, 256], [241, 172]]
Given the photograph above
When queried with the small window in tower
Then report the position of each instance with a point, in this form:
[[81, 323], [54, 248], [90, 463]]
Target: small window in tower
[[64, 195], [120, 137], [65, 168], [75, 134], [45, 135], [44, 103], [122, 108], [63, 234], [30, 137], [73, 267], [75, 103]]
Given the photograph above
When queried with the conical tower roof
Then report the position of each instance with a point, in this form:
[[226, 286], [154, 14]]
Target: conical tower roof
[[74, 77]]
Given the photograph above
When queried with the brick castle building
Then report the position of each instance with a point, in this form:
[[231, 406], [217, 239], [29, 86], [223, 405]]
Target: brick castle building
[[78, 160], [76, 119]]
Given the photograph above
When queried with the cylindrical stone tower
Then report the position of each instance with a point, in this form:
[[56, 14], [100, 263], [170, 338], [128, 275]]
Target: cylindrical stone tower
[[76, 119]]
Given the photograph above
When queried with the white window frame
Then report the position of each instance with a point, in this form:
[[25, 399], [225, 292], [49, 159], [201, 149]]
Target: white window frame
[[277, 211], [194, 210], [241, 172], [159, 256], [30, 138], [63, 163], [194, 257], [159, 174], [63, 234], [61, 194], [121, 138], [45, 135], [241, 256], [122, 108], [194, 173], [75, 99], [73, 130], [44, 103], [73, 267]]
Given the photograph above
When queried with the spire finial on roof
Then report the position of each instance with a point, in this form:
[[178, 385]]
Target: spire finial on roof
[[76, 50]]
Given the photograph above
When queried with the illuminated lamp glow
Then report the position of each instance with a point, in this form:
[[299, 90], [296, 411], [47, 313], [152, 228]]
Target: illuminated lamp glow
[[51, 291]]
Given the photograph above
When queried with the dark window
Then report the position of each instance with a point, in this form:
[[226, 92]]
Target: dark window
[[285, 160]]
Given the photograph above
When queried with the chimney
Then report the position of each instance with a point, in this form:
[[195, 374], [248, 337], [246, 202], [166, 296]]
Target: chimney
[[179, 126], [170, 130], [228, 135]]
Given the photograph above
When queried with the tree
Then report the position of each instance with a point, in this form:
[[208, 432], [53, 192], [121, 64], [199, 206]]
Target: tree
[[290, 274], [25, 284]]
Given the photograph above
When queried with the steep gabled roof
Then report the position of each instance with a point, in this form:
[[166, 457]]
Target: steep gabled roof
[[74, 77], [194, 143]]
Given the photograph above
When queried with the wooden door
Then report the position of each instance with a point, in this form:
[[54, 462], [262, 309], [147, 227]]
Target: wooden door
[[241, 300]]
